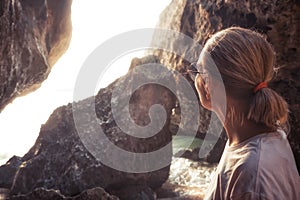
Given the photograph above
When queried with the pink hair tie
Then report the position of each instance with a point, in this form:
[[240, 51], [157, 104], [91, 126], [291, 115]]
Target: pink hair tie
[[260, 86]]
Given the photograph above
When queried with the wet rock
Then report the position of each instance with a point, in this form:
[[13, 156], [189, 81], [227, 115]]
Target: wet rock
[[40, 193], [135, 192], [59, 159], [279, 20], [95, 193], [44, 194], [33, 35]]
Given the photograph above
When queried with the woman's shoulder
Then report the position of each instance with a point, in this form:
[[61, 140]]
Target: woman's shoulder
[[259, 154], [262, 151], [257, 143], [270, 166]]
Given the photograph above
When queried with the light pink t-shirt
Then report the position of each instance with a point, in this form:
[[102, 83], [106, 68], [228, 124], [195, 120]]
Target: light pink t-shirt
[[262, 167]]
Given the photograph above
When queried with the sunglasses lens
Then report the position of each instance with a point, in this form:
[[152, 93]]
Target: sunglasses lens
[[193, 71], [193, 67]]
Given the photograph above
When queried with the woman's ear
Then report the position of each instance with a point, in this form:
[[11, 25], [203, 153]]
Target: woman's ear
[[203, 92]]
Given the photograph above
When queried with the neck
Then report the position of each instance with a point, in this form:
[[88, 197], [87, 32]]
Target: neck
[[237, 126], [238, 132]]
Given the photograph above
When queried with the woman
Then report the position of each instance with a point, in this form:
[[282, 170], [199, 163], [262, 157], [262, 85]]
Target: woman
[[257, 162]]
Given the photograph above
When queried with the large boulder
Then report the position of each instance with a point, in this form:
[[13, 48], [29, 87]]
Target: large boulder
[[33, 35], [60, 159], [278, 20]]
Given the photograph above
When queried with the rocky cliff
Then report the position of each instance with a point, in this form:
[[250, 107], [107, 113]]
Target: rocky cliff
[[33, 35], [279, 20], [60, 161]]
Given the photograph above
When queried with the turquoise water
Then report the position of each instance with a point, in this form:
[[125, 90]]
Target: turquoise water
[[185, 142]]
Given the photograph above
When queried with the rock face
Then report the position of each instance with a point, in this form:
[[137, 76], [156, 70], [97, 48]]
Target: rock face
[[64, 157], [33, 35], [279, 20], [44, 194], [60, 161], [8, 171]]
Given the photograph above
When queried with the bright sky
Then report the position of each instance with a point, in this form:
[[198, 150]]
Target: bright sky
[[94, 22]]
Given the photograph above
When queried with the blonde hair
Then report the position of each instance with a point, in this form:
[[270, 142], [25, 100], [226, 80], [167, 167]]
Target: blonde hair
[[244, 59]]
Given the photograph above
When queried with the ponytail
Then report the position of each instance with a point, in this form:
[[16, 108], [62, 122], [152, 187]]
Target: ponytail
[[269, 108]]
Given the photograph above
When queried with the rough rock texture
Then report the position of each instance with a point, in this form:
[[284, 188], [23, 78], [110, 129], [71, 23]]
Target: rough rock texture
[[33, 35], [60, 161], [279, 20], [135, 192], [44, 194], [8, 171]]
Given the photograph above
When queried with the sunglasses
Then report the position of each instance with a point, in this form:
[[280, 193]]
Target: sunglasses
[[193, 71]]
